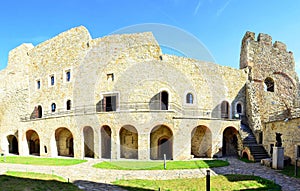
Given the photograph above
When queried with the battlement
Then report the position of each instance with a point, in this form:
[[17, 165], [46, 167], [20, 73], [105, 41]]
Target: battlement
[[263, 39]]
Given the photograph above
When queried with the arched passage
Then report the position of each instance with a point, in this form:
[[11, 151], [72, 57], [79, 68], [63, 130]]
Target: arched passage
[[231, 141], [201, 142], [161, 142], [105, 142], [64, 142], [13, 146], [128, 142], [88, 137], [33, 142]]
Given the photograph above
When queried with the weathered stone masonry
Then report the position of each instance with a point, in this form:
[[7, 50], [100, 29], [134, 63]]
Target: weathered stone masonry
[[120, 97]]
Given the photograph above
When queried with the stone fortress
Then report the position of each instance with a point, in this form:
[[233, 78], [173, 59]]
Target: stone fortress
[[119, 97]]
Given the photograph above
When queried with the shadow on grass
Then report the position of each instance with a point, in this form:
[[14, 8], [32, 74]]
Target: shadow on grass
[[21, 184], [269, 185], [96, 185]]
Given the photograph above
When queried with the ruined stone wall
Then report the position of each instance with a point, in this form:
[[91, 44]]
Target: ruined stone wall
[[290, 135], [265, 59]]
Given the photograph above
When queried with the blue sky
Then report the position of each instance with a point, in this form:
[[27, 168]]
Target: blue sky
[[218, 24]]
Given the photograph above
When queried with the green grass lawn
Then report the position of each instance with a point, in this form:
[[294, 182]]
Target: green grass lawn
[[25, 181], [226, 182], [159, 165], [290, 171], [40, 161]]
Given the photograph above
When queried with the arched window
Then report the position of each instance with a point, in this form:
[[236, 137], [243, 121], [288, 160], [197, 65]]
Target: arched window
[[52, 80], [53, 107], [189, 98], [164, 100], [239, 108], [269, 84], [68, 105], [39, 112]]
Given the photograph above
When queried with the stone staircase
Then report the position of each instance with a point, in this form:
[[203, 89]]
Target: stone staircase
[[256, 150]]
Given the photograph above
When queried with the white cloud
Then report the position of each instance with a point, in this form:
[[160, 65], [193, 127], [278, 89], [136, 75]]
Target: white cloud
[[221, 10], [197, 7]]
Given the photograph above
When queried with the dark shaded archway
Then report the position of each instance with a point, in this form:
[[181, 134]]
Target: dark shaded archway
[[33, 142], [64, 142], [13, 146], [106, 142], [201, 142], [128, 142], [161, 142], [230, 142], [88, 137]]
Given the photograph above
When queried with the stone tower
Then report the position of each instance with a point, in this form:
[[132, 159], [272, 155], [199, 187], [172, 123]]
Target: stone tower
[[272, 85]]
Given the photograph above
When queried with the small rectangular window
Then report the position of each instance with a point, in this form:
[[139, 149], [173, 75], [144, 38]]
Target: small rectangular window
[[68, 75], [110, 76], [38, 84], [52, 80]]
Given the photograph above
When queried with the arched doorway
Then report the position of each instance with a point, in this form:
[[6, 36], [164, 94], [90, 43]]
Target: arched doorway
[[33, 142], [13, 146], [88, 136], [105, 142], [201, 142], [64, 142], [231, 141], [39, 112], [164, 100], [225, 110], [128, 142], [161, 142]]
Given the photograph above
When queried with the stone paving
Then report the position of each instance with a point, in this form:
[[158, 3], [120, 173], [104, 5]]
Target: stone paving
[[90, 179]]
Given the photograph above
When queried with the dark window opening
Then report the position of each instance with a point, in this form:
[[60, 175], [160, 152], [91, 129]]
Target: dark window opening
[[52, 80], [164, 100], [68, 76], [108, 103], [239, 108], [38, 84], [189, 98], [39, 112], [225, 110], [298, 151], [110, 76], [53, 107], [269, 85], [69, 105], [45, 148]]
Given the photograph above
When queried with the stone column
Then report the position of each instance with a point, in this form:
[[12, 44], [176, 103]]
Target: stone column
[[143, 146], [278, 158]]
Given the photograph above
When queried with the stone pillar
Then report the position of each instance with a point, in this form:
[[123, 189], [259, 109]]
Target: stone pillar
[[143, 146], [278, 158]]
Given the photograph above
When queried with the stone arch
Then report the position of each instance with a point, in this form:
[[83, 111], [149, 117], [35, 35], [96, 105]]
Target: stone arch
[[201, 142], [161, 142], [13, 145], [88, 139], [33, 142], [128, 142], [106, 142], [231, 142], [64, 142]]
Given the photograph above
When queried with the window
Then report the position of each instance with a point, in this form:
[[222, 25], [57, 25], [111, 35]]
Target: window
[[189, 98], [68, 105], [239, 108], [110, 76], [160, 101], [52, 80], [108, 103], [269, 84], [68, 75], [53, 107], [38, 84], [39, 112], [225, 110]]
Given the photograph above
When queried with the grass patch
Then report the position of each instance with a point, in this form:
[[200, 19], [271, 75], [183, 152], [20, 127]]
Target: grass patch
[[23, 181], [226, 182], [40, 161], [290, 171], [159, 165], [246, 160]]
